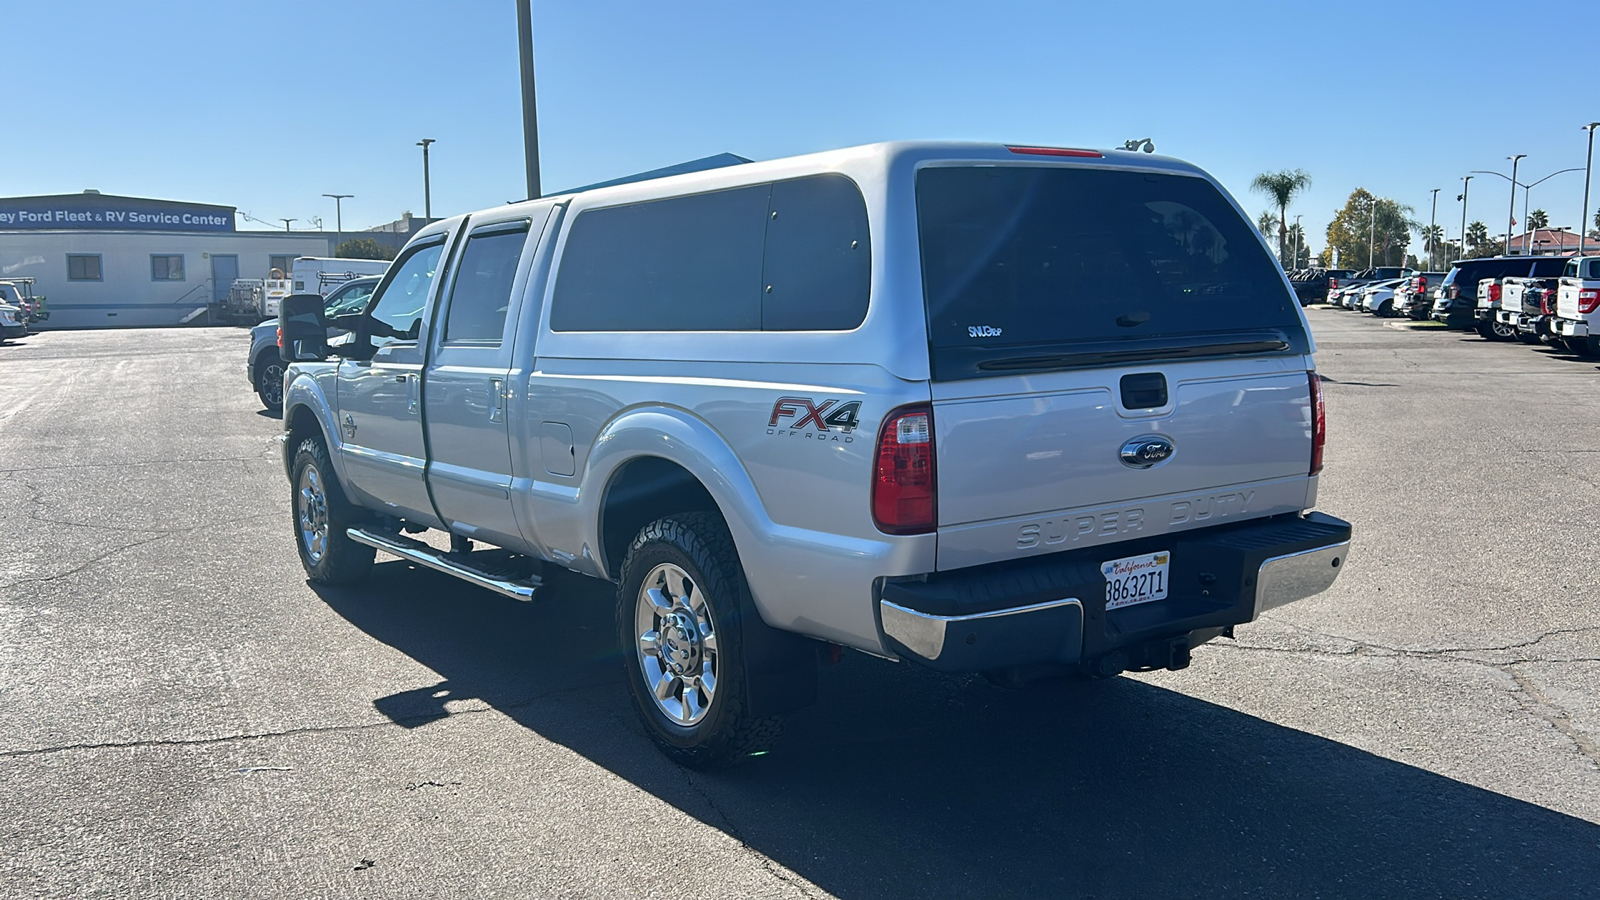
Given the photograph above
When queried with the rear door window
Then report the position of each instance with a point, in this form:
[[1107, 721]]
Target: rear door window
[[1064, 266], [480, 296]]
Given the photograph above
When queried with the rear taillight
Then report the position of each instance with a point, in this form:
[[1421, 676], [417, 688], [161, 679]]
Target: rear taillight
[[1454, 292], [1420, 285], [1588, 300], [1333, 284], [905, 489], [1319, 423], [280, 337], [1545, 296], [1494, 293]]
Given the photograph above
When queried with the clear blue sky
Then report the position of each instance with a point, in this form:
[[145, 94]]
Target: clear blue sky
[[266, 106]]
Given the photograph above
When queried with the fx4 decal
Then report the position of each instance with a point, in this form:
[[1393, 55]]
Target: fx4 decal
[[831, 420]]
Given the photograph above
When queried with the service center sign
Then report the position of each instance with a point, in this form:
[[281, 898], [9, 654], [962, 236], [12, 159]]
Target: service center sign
[[102, 213]]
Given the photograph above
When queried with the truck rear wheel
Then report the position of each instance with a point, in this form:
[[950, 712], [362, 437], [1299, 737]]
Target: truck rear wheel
[[322, 513], [680, 606]]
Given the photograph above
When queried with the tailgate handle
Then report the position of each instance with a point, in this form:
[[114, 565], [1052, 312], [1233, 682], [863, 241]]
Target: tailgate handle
[[1144, 390]]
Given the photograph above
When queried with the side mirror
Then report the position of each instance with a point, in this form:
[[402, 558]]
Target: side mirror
[[303, 328]]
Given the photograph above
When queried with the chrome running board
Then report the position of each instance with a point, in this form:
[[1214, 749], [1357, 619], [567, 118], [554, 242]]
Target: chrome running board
[[415, 551]]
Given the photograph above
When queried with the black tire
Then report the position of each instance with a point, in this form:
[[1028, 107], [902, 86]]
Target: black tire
[[269, 380], [1586, 347], [1501, 331], [336, 559], [696, 546], [1386, 309]]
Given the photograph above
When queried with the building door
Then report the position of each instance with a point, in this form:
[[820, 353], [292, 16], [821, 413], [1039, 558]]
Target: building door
[[224, 269]]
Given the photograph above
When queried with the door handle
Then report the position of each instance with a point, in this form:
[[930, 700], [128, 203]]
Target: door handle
[[401, 378], [412, 404], [497, 397]]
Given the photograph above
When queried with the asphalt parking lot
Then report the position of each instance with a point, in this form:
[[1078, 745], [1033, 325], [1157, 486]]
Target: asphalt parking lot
[[182, 715]]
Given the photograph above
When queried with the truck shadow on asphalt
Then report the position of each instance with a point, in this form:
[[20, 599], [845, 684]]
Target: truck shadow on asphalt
[[905, 783]]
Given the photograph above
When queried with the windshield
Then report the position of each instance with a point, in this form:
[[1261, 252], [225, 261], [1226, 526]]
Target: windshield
[[1065, 260]]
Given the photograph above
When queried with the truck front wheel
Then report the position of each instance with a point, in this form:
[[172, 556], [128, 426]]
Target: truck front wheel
[[680, 608], [322, 513]]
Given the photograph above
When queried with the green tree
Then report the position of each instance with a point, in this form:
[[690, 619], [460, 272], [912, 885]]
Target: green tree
[[1297, 238], [363, 248], [1282, 187], [1267, 224], [1479, 243], [1372, 228], [1432, 238], [1538, 219]]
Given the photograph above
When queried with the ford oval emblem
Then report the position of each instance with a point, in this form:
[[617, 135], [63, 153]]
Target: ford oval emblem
[[1144, 452]]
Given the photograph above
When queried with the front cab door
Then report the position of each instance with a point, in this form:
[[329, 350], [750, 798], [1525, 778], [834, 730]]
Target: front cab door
[[380, 396]]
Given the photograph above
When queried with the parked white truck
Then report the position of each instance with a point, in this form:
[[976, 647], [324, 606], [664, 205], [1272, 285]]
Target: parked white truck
[[1577, 320], [1021, 411]]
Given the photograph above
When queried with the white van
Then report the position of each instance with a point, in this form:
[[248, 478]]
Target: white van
[[319, 275]]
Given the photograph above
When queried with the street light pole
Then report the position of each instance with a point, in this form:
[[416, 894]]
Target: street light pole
[[530, 112], [1588, 163], [1296, 258], [1466, 185], [1511, 212], [338, 218], [1433, 222], [427, 190]]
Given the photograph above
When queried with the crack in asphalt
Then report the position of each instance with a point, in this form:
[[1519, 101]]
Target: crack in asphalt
[[155, 535], [767, 863], [386, 722], [265, 455], [1533, 701]]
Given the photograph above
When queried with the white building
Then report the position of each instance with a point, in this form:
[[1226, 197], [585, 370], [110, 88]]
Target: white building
[[106, 261]]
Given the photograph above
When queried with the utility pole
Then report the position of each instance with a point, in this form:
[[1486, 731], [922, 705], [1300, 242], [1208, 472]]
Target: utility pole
[[1511, 212], [286, 223], [530, 112], [338, 218], [1466, 183], [1433, 222], [1588, 163], [1295, 260], [427, 190]]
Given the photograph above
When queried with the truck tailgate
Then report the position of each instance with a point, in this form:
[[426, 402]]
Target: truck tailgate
[[1033, 464]]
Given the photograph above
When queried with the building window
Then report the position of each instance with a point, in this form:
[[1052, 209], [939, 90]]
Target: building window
[[83, 267], [282, 263], [166, 268]]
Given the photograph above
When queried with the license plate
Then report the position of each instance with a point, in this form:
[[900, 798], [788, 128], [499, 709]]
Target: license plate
[[1136, 579]]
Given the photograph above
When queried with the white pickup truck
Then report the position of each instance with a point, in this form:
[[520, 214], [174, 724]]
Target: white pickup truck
[[1017, 411], [1577, 304]]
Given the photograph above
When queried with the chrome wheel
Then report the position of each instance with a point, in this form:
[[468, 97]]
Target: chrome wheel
[[311, 511], [1503, 331], [676, 640]]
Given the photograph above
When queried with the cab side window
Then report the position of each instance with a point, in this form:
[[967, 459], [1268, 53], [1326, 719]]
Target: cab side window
[[401, 303], [480, 296]]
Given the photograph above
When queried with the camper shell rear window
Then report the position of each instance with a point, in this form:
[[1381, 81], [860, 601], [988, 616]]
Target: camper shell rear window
[[1030, 268]]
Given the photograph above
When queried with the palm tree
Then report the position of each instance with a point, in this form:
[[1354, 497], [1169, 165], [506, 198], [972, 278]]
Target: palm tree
[[1267, 223], [1538, 219], [1432, 237], [1281, 187]]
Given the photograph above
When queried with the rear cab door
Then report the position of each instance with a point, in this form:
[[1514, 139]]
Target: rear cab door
[[1115, 356], [467, 386]]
